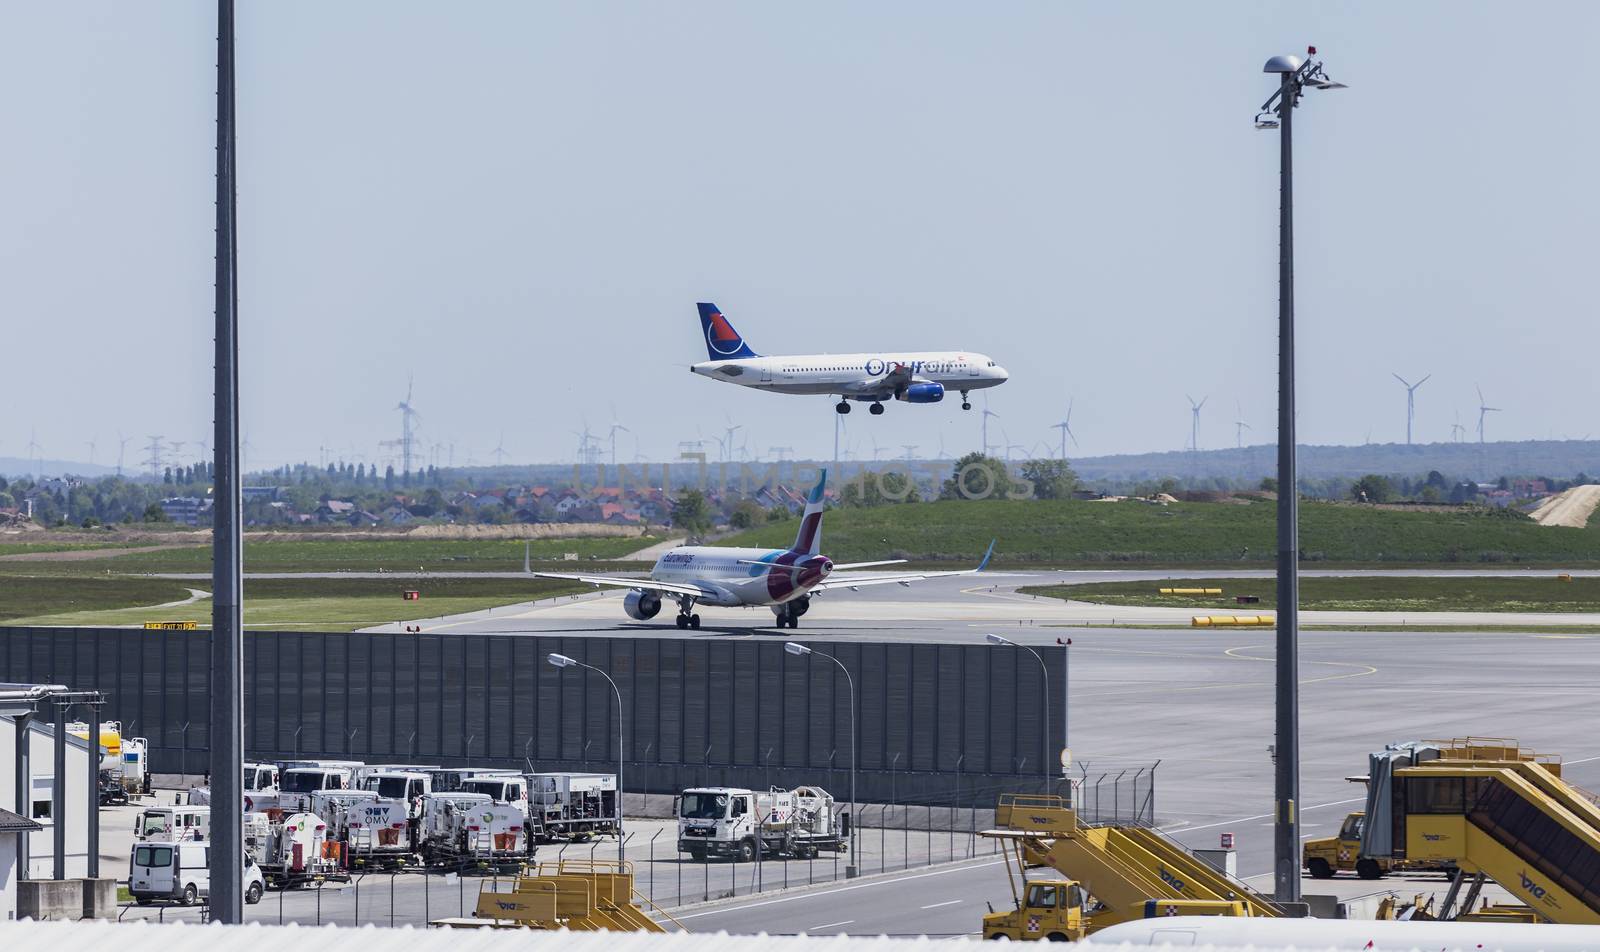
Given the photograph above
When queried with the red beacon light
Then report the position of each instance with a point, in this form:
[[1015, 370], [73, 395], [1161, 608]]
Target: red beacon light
[[1311, 51]]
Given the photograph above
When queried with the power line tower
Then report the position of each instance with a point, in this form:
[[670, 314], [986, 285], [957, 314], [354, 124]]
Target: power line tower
[[153, 460]]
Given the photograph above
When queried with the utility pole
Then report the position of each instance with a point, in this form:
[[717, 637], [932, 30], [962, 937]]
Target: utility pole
[[1278, 113], [226, 734]]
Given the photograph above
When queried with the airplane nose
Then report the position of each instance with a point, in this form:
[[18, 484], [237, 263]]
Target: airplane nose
[[1000, 372]]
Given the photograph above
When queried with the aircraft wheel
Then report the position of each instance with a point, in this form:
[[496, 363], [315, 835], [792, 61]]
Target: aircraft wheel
[[877, 409], [968, 406], [842, 406], [683, 621], [694, 621]]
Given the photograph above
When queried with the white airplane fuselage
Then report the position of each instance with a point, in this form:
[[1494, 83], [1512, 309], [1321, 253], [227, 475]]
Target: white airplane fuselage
[[856, 375], [728, 572]]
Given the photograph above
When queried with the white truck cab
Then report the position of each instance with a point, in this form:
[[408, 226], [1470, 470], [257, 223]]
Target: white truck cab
[[738, 823], [296, 784], [171, 824]]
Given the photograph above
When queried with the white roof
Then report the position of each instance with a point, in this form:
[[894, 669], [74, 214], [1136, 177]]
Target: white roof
[[89, 936]]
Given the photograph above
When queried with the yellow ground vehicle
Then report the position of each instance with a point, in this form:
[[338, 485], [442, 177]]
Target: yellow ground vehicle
[[1342, 853], [1136, 873], [581, 895]]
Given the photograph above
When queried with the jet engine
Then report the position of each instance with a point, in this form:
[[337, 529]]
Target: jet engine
[[925, 392], [796, 605], [641, 605]]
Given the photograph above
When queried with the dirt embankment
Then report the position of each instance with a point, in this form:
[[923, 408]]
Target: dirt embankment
[[1570, 508]]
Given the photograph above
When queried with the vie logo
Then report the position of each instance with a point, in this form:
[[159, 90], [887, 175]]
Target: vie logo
[[1534, 889], [1434, 837], [1170, 879], [506, 906]]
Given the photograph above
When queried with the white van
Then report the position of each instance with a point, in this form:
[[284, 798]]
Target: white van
[[174, 823], [181, 872]]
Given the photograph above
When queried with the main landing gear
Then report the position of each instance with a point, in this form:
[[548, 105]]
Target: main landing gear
[[876, 409], [843, 406], [687, 617]]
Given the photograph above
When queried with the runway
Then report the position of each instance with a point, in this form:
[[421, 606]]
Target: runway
[[946, 609]]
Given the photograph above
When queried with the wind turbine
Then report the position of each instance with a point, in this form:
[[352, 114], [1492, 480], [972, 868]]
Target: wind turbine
[[1483, 411], [90, 444], [122, 447], [911, 449], [408, 418], [33, 451], [1009, 445], [1239, 426], [877, 451], [1456, 429], [499, 451], [727, 446], [1411, 401], [1065, 426], [1194, 421], [615, 426], [987, 413]]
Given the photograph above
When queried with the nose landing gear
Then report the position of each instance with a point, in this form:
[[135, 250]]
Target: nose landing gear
[[965, 403]]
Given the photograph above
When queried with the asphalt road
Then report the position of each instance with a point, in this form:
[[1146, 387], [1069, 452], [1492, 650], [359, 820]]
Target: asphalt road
[[949, 608]]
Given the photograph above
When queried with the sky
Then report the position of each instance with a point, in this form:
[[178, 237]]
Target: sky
[[517, 205]]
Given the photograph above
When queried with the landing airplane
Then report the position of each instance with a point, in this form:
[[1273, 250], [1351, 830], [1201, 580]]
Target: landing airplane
[[731, 577], [867, 378]]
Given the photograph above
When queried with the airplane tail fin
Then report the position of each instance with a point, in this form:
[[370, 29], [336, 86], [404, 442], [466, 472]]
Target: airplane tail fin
[[722, 341], [809, 539]]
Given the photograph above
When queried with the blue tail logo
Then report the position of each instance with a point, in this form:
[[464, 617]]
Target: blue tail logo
[[722, 341], [808, 540]]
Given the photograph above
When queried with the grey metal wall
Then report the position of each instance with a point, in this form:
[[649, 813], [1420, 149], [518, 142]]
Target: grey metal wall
[[937, 722]]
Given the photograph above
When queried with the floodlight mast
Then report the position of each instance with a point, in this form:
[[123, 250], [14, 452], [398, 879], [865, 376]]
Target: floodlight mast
[[1278, 113]]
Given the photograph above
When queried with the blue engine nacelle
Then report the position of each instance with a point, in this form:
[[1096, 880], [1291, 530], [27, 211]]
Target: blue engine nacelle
[[928, 392], [641, 605]]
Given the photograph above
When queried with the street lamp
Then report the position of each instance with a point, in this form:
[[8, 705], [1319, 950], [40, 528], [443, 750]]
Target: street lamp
[[795, 648], [1278, 113], [1044, 695], [562, 661]]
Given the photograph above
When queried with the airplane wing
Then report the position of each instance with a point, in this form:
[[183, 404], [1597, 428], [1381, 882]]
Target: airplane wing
[[837, 567], [844, 580], [891, 382], [649, 585]]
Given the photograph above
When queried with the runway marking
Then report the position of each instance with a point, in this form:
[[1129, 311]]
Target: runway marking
[[830, 925], [1366, 669], [938, 904], [842, 889], [1182, 827]]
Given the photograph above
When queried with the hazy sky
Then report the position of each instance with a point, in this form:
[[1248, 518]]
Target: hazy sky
[[521, 203]]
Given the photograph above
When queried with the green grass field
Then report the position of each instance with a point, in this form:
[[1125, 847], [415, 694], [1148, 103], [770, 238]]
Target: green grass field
[[1071, 532], [319, 604], [1535, 593], [312, 554]]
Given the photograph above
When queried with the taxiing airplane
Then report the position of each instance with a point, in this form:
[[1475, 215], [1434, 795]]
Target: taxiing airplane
[[728, 577], [868, 378]]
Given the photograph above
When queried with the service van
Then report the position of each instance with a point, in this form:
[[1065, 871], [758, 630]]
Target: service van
[[181, 872]]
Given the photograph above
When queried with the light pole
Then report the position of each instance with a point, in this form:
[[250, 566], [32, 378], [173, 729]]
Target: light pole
[[795, 648], [562, 661], [1044, 694], [1278, 113]]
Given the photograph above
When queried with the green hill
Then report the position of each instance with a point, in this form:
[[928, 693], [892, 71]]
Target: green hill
[[1070, 531]]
